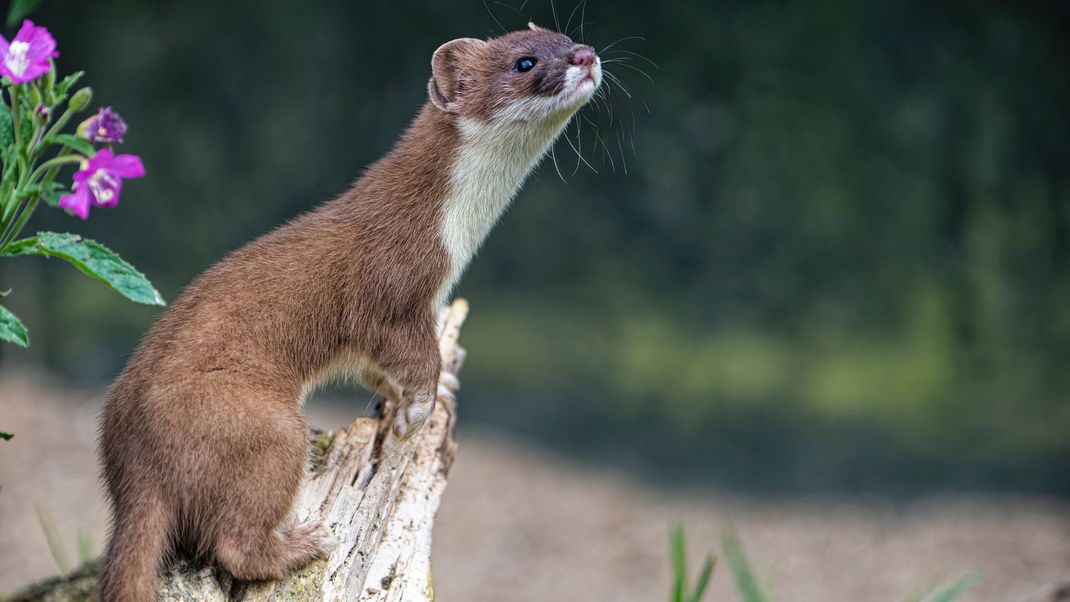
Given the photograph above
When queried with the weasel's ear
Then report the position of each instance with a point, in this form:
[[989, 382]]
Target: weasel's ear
[[534, 27], [447, 77]]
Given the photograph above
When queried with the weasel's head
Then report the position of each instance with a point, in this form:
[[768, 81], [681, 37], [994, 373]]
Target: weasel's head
[[529, 76]]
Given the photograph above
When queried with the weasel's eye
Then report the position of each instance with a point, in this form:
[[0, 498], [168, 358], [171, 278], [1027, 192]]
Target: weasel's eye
[[526, 64]]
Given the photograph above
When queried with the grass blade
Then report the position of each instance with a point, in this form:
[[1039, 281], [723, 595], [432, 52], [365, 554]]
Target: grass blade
[[679, 562], [956, 589], [55, 546], [746, 583], [85, 546], [703, 580]]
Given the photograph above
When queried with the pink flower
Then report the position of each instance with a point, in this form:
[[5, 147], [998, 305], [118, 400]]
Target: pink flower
[[100, 181], [27, 57]]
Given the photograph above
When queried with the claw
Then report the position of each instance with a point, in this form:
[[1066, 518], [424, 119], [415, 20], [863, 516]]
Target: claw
[[448, 380], [446, 395], [400, 426], [411, 416]]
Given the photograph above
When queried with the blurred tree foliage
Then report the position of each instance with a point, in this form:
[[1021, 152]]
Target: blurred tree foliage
[[832, 250]]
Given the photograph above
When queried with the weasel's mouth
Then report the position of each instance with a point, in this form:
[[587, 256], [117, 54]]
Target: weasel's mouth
[[589, 80], [581, 82], [588, 83]]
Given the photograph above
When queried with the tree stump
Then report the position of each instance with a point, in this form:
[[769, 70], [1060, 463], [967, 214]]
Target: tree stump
[[377, 496]]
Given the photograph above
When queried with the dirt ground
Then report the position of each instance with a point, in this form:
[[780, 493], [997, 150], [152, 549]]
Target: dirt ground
[[520, 523]]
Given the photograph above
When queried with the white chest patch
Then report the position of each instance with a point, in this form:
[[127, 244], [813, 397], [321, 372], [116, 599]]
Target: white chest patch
[[493, 161]]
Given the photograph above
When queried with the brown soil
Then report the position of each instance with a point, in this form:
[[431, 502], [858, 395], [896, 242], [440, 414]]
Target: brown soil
[[520, 523]]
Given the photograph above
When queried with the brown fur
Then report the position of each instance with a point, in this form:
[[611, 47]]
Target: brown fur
[[202, 439]]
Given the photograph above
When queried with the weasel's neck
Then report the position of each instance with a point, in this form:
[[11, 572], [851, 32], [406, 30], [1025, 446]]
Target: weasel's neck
[[492, 162]]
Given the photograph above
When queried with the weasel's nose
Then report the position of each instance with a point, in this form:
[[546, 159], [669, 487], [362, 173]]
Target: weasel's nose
[[583, 55]]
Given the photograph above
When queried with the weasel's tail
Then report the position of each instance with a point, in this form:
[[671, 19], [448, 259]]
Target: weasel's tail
[[135, 552]]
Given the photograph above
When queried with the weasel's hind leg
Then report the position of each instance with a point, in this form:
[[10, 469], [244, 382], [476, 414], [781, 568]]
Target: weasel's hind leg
[[254, 534]]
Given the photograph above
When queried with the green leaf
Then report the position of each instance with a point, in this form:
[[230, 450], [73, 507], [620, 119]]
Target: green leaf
[[746, 582], [956, 589], [82, 146], [12, 329], [19, 10], [6, 436], [93, 259], [61, 89], [7, 131], [703, 580]]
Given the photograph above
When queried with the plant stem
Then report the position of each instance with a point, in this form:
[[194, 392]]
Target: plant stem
[[55, 162], [53, 165], [16, 226], [8, 216], [10, 205], [16, 122], [56, 127]]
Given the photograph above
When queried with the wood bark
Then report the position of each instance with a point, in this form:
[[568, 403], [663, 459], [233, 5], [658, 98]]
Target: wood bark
[[377, 495]]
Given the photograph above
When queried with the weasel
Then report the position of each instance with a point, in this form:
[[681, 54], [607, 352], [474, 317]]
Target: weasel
[[202, 440]]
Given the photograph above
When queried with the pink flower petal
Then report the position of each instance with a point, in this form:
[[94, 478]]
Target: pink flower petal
[[77, 203], [25, 32], [127, 166]]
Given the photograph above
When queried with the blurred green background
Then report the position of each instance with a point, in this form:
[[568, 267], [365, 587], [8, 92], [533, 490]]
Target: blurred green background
[[826, 249]]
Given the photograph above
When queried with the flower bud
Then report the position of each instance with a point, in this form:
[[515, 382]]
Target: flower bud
[[80, 100], [41, 113], [50, 79]]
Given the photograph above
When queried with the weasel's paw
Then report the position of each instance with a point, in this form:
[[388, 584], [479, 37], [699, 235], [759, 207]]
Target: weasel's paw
[[411, 417], [328, 543], [313, 538], [448, 380], [447, 395]]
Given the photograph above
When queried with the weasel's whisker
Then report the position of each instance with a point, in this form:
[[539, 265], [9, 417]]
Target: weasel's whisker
[[583, 14], [601, 94], [638, 56], [494, 17], [609, 155], [553, 9], [570, 15], [631, 135], [579, 156], [614, 80], [579, 145], [633, 68], [597, 135], [553, 155], [509, 6], [625, 39]]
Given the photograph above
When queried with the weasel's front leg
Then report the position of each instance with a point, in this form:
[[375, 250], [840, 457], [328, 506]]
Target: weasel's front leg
[[410, 358]]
